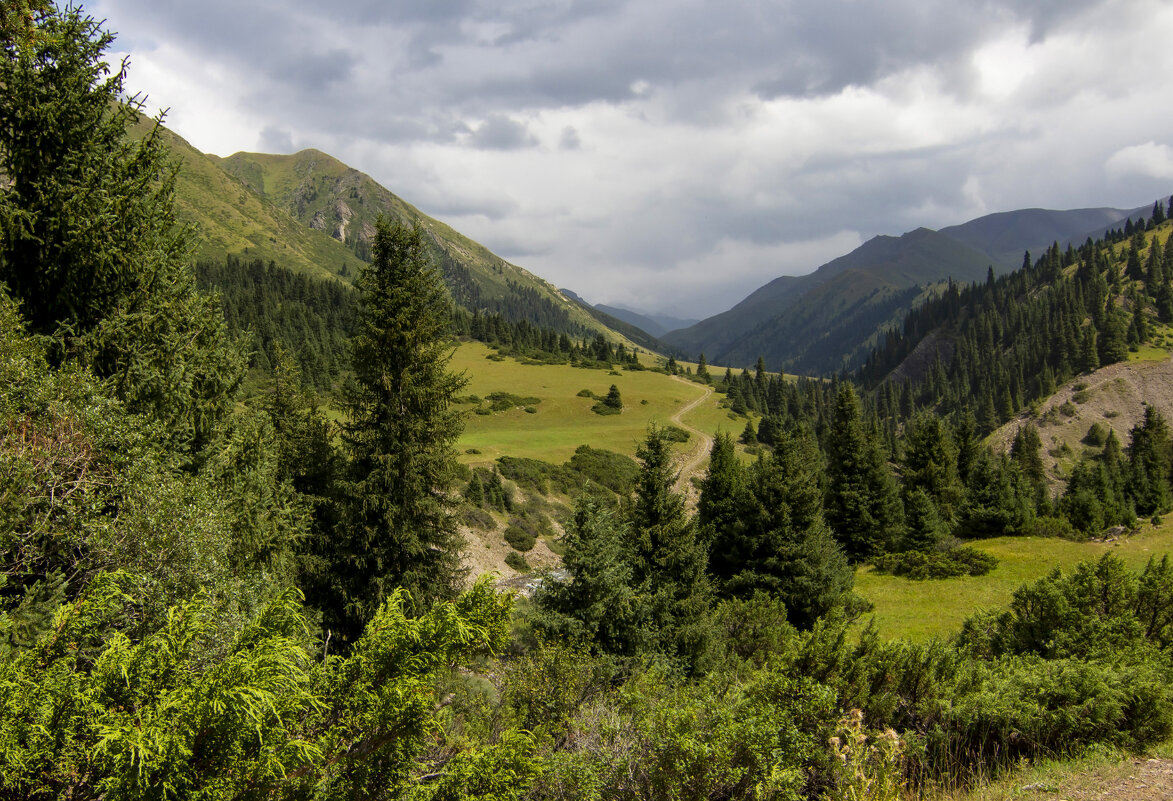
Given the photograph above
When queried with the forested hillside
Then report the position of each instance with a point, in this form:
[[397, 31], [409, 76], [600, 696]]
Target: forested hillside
[[218, 595]]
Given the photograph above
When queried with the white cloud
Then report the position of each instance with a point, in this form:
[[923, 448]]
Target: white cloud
[[1150, 159]]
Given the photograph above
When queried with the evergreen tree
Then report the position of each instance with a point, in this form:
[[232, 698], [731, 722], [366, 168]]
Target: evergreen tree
[[89, 241], [702, 369], [598, 604], [929, 465], [781, 544], [1150, 453], [400, 427], [863, 503], [669, 559]]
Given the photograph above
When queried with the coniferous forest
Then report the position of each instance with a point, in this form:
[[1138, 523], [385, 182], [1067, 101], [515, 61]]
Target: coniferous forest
[[211, 589]]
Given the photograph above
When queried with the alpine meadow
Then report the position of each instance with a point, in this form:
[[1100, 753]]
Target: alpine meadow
[[306, 495]]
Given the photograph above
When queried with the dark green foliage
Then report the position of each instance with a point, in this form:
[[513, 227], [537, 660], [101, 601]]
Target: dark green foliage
[[669, 559], [863, 501], [606, 468], [998, 500], [768, 533], [89, 243], [516, 561], [277, 309], [611, 404], [1100, 610], [1150, 455], [936, 564], [397, 528], [519, 539], [597, 604]]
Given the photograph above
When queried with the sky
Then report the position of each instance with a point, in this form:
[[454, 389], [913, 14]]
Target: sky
[[674, 155]]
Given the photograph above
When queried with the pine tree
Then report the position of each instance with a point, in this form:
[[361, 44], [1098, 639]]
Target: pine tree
[[89, 240], [399, 432], [863, 504], [598, 604], [782, 545], [669, 559], [1150, 454]]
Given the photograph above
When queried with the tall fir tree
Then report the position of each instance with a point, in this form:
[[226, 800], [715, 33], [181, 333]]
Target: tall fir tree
[[669, 559], [863, 501], [89, 240], [398, 530]]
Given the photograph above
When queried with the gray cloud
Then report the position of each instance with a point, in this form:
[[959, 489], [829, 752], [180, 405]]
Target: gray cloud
[[499, 132], [612, 143]]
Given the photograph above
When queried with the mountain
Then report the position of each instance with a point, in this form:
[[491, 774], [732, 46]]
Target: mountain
[[231, 219], [315, 215], [844, 304], [1005, 236], [342, 203], [830, 319], [655, 324]]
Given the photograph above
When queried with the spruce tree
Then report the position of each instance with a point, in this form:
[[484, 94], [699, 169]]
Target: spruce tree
[[398, 435], [1150, 453], [669, 559], [782, 545], [89, 240], [863, 504]]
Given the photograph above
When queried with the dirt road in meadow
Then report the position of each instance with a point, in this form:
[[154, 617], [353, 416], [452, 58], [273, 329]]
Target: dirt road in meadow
[[702, 443]]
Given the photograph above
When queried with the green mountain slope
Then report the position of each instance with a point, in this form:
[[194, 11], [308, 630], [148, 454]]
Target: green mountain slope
[[340, 203], [794, 321], [232, 219]]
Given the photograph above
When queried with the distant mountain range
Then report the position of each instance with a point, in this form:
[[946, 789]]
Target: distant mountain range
[[312, 213], [830, 319]]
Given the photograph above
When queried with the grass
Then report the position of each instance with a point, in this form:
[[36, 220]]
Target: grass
[[920, 610], [1079, 779], [562, 420]]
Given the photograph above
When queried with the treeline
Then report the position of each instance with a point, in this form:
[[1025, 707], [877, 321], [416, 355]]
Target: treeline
[[209, 596], [547, 345], [312, 320]]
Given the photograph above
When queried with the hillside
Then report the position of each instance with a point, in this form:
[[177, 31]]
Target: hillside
[[229, 218], [828, 320], [341, 204], [799, 323]]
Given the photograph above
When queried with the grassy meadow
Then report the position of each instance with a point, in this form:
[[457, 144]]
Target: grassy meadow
[[562, 421], [920, 610]]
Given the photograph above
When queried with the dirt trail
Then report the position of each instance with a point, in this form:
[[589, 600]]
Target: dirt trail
[[703, 444], [1139, 779]]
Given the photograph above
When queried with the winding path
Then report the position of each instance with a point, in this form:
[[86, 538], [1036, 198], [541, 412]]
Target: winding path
[[699, 452]]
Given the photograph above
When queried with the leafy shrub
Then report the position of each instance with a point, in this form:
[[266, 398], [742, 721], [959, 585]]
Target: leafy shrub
[[586, 393], [612, 470], [1096, 435], [517, 562], [919, 565], [1060, 527], [676, 434], [1067, 409], [519, 538]]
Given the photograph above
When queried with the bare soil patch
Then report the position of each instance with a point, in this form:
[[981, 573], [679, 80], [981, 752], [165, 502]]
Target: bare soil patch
[[1113, 396]]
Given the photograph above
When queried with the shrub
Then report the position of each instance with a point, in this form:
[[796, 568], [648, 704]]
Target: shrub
[[1096, 435], [516, 561], [519, 538], [919, 565], [1045, 526]]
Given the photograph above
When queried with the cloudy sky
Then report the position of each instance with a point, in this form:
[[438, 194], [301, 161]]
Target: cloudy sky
[[673, 155]]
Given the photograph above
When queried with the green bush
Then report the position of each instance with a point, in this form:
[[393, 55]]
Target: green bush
[[516, 561], [519, 538], [919, 565]]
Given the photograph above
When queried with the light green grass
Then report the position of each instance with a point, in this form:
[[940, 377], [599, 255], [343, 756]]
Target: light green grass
[[920, 610], [564, 421]]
